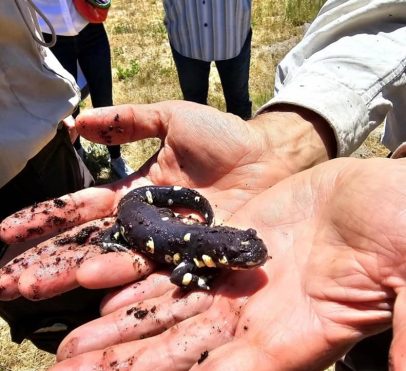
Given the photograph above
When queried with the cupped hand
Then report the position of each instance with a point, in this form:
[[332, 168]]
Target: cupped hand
[[222, 156], [337, 274]]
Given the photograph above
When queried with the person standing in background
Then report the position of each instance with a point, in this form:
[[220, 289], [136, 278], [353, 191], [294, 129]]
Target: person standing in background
[[85, 44], [202, 31]]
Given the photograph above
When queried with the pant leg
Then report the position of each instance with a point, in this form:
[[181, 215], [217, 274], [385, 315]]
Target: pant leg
[[95, 61], [53, 172], [234, 75], [193, 77]]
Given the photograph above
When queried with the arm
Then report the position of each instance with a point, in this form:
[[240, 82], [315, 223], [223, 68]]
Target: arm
[[349, 69]]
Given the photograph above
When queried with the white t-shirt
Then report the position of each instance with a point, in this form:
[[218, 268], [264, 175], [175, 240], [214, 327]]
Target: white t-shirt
[[63, 16]]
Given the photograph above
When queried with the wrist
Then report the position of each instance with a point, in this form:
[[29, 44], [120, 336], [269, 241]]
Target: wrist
[[296, 137]]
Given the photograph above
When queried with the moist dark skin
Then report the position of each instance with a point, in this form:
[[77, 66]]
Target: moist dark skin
[[146, 224]]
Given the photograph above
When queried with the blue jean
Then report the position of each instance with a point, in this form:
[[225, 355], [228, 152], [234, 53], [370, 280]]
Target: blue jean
[[91, 49], [234, 75]]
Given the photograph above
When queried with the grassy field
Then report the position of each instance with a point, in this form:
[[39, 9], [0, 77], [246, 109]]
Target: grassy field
[[144, 72]]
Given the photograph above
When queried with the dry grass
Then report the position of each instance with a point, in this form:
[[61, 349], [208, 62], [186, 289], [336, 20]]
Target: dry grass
[[144, 72], [24, 357]]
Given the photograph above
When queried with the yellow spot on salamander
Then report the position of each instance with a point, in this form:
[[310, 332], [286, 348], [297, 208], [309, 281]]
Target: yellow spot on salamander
[[245, 242], [186, 237], [168, 259], [150, 246], [208, 261], [177, 188], [202, 283], [177, 258], [187, 278], [223, 260], [150, 199], [197, 199], [170, 201], [198, 263]]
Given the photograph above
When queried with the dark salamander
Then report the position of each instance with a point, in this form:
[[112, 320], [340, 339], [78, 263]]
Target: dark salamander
[[146, 223]]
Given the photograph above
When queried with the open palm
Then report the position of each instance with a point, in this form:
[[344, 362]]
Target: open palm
[[335, 235]]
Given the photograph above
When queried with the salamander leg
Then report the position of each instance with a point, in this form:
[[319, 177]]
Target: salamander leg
[[112, 240], [184, 277]]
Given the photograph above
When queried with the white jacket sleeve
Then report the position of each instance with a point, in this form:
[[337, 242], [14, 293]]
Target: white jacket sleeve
[[36, 93], [350, 69]]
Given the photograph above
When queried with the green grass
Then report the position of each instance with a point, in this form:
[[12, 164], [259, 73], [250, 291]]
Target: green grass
[[299, 12]]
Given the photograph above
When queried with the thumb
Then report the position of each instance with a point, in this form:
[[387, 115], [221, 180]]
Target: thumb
[[397, 354], [123, 123]]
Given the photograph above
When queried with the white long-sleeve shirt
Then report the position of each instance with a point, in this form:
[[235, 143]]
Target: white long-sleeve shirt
[[63, 16], [350, 69], [36, 93]]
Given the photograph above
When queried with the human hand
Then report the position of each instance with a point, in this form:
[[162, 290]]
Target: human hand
[[337, 241], [227, 159], [222, 165], [222, 156]]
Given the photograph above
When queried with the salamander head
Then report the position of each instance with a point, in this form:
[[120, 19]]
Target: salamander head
[[243, 250]]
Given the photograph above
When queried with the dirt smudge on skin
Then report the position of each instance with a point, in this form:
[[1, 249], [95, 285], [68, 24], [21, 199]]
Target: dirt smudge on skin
[[203, 356], [79, 238], [59, 203], [138, 313]]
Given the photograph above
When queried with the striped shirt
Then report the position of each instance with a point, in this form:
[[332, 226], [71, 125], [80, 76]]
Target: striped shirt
[[208, 30]]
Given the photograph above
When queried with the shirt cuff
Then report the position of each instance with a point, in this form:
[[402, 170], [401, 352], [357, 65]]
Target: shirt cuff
[[344, 110]]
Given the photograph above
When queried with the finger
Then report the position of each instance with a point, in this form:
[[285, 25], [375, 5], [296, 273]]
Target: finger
[[397, 354], [138, 321], [11, 272], [122, 268], [54, 275], [47, 269], [176, 349], [156, 284], [59, 214], [123, 123]]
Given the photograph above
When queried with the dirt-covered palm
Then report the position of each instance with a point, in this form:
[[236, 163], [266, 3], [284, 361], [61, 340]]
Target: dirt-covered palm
[[336, 234]]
